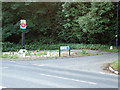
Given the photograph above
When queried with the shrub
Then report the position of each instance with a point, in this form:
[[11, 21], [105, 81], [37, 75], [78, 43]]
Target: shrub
[[38, 46]]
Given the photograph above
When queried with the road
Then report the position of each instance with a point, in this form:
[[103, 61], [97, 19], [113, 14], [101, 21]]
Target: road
[[77, 72]]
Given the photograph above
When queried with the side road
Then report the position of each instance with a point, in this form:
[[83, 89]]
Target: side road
[[87, 63]]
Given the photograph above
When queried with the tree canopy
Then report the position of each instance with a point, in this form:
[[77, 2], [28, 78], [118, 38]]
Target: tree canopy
[[68, 22]]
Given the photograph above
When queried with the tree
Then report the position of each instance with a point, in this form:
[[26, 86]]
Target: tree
[[39, 18], [87, 22]]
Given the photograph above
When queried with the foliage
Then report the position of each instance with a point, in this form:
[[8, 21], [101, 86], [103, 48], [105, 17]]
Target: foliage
[[115, 65], [4, 56], [40, 53], [53, 23], [7, 46], [36, 53], [87, 22], [28, 54], [14, 56], [38, 46], [39, 18], [84, 52]]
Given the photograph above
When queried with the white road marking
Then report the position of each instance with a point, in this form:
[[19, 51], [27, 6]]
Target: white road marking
[[102, 72], [68, 79], [3, 67], [2, 87], [39, 64], [12, 61], [34, 64], [107, 73]]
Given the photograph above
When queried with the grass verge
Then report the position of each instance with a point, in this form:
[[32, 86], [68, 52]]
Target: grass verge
[[9, 56], [116, 65]]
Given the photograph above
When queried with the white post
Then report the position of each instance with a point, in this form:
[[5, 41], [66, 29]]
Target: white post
[[111, 47], [48, 54]]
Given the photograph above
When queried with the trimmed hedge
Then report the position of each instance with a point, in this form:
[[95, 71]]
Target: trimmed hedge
[[7, 46]]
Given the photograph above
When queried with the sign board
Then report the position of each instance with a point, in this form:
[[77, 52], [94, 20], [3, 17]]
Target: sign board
[[21, 27], [23, 24], [64, 47]]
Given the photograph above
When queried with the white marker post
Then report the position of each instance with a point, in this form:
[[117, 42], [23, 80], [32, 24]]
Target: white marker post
[[111, 47]]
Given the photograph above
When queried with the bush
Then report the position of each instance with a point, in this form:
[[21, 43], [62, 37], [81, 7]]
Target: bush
[[7, 46], [38, 46]]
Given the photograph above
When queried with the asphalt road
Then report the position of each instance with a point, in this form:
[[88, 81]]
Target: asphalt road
[[79, 72]]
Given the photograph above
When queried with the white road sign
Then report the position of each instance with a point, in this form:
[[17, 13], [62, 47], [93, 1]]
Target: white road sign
[[64, 47]]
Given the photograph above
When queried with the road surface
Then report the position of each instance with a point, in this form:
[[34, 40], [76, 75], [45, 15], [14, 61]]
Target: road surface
[[79, 72]]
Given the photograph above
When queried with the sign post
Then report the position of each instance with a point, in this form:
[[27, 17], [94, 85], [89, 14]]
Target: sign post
[[23, 26], [64, 48], [23, 39], [22, 52]]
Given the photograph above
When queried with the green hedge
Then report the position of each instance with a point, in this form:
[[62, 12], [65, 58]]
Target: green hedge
[[7, 46]]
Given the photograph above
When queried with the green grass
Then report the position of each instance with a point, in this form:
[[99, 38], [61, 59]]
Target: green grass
[[14, 57], [28, 54], [36, 53], [116, 65], [84, 53], [8, 56], [4, 56], [41, 53]]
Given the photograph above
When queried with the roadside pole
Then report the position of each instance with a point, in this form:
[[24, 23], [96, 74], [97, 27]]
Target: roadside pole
[[23, 27], [23, 39], [59, 52], [117, 24], [22, 52], [69, 51]]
